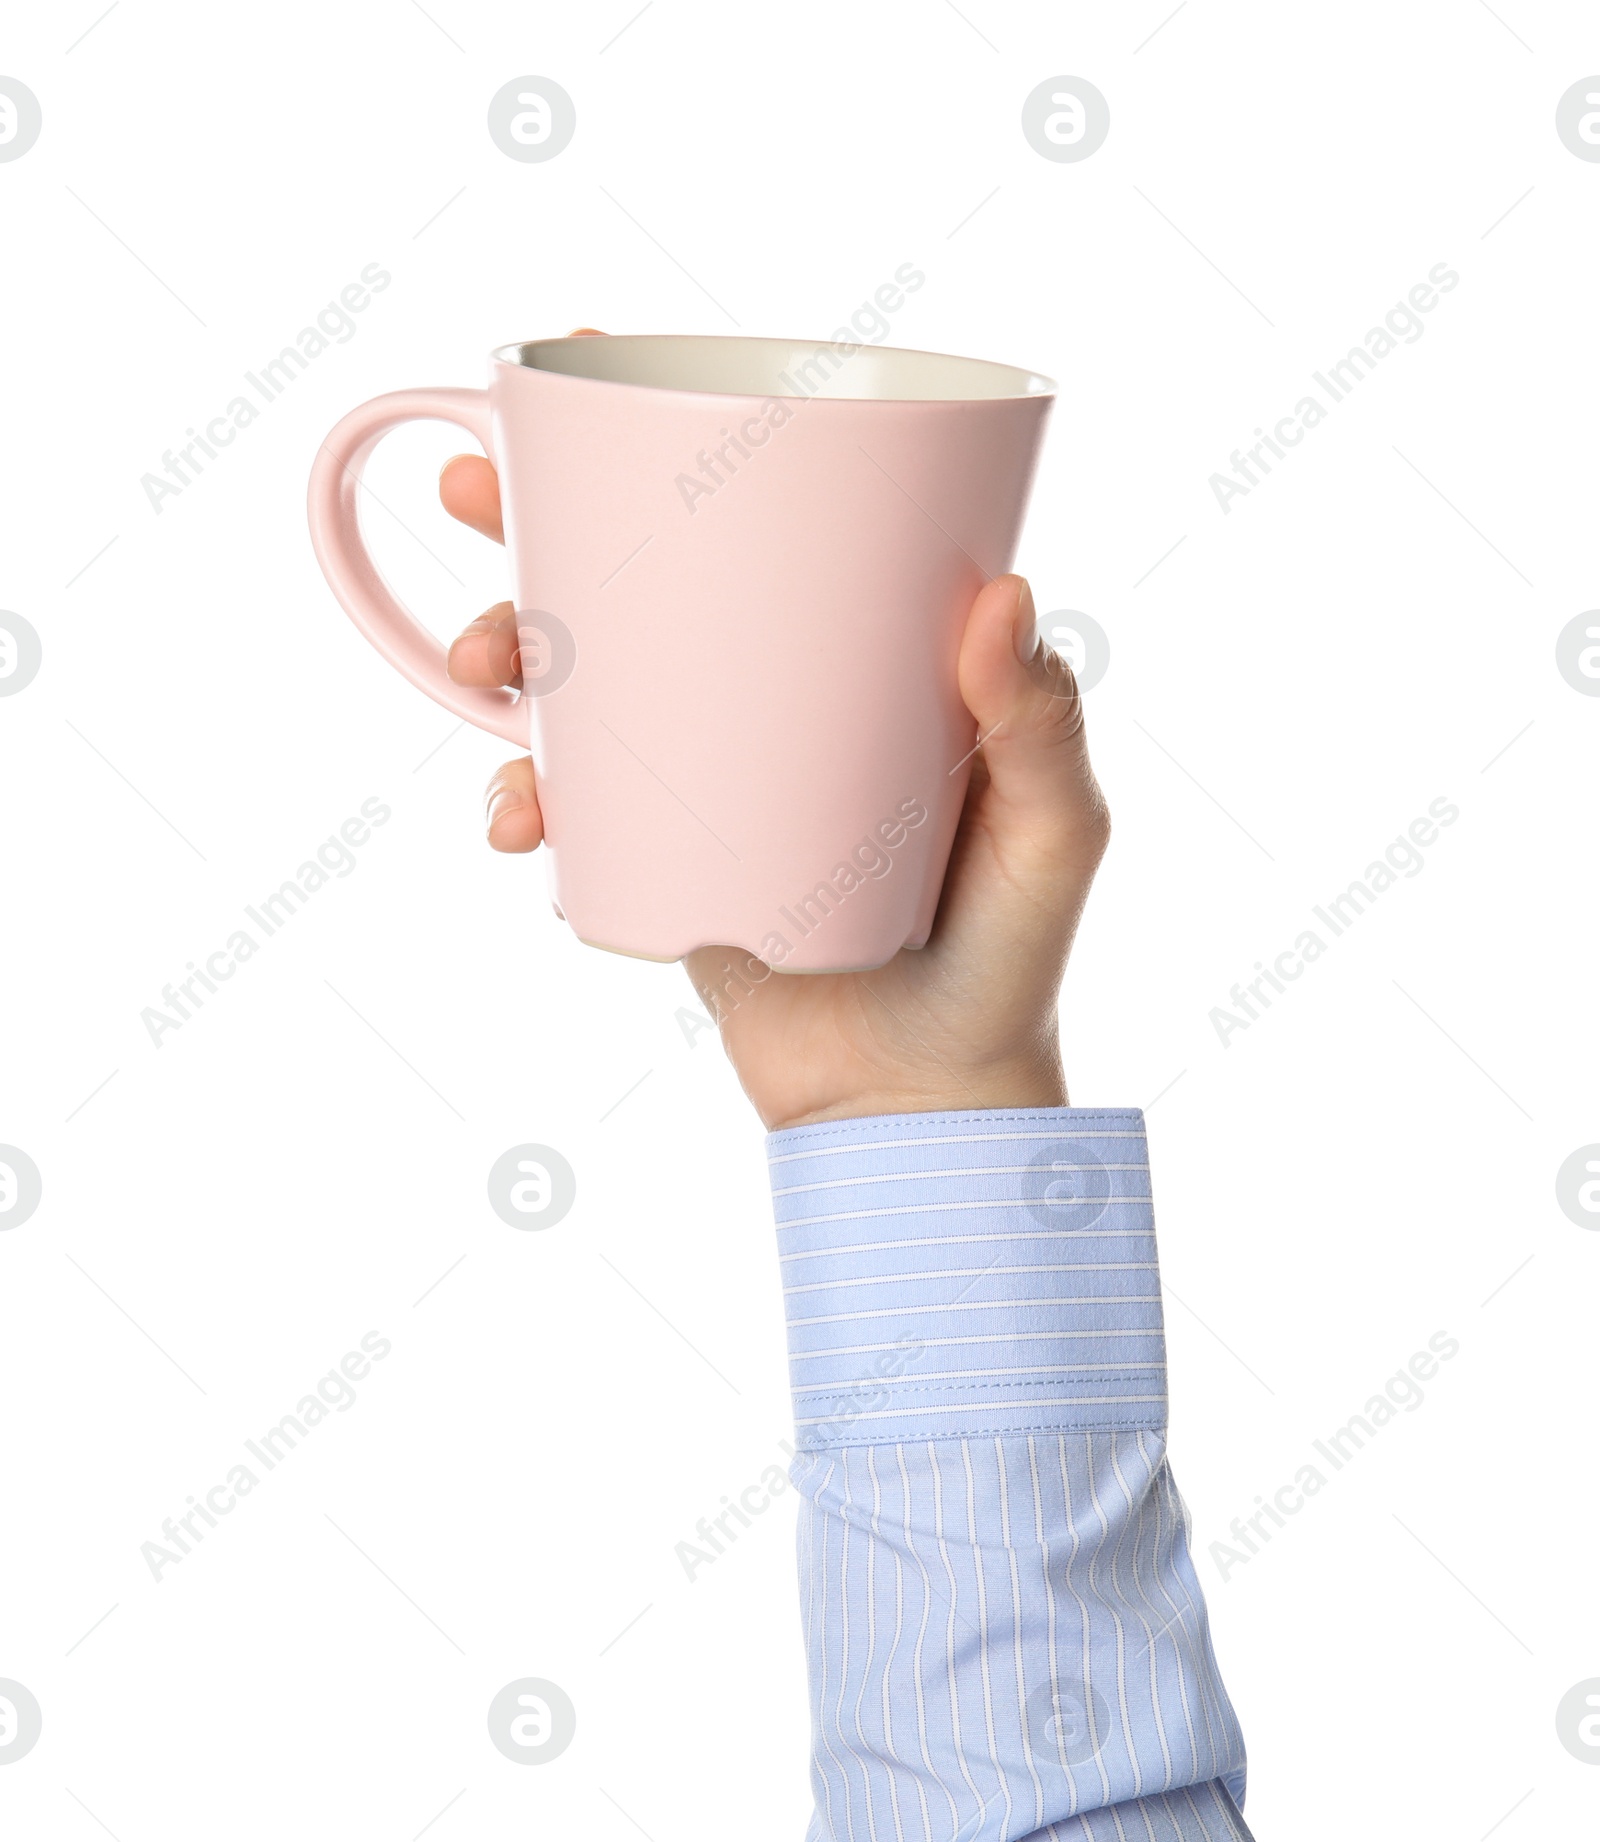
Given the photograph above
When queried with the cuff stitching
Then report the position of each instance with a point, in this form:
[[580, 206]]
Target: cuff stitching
[[1125, 1423], [1155, 1374], [1030, 1117]]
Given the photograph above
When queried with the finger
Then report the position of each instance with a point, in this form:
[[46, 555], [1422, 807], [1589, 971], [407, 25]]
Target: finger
[[485, 652], [511, 808], [469, 489], [724, 978], [1040, 795]]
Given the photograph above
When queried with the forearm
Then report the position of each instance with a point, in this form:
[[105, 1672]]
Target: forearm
[[1004, 1629]]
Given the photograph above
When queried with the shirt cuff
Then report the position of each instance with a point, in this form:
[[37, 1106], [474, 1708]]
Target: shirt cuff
[[951, 1274], [1196, 1813]]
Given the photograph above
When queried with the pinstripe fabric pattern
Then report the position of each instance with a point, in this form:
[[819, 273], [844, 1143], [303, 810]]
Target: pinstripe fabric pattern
[[1005, 1635]]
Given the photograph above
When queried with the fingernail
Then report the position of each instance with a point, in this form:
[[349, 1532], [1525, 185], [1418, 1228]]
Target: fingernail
[[501, 801], [487, 623], [1025, 625]]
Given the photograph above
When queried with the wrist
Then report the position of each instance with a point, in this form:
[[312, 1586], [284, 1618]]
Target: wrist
[[980, 1090]]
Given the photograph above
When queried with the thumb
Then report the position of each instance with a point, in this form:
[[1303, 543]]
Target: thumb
[[1041, 794]]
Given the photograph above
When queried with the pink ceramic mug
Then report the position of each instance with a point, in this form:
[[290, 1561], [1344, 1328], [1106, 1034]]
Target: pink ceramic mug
[[741, 569]]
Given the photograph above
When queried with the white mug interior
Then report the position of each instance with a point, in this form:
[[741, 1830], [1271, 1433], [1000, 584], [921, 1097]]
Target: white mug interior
[[777, 368]]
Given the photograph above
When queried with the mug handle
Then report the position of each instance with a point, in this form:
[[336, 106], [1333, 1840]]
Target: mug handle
[[352, 574]]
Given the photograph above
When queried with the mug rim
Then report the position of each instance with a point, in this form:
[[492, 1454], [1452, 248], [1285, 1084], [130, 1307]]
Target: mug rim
[[1044, 387]]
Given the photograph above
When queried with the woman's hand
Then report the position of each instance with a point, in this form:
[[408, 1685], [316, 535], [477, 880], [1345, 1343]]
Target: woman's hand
[[969, 1020]]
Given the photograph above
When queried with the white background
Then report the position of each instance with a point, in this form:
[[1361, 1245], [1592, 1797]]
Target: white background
[[1369, 1163]]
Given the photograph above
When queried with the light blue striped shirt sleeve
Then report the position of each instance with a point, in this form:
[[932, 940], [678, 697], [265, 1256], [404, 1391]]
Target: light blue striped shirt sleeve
[[1005, 1636]]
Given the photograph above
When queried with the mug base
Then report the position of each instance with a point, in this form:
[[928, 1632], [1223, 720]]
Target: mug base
[[655, 959], [795, 972]]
